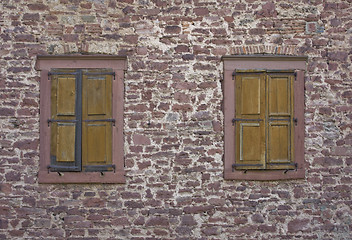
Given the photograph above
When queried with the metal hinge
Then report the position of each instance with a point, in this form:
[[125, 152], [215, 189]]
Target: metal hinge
[[101, 73], [58, 169], [296, 166], [100, 168], [245, 165], [295, 120], [57, 120], [61, 73], [101, 120]]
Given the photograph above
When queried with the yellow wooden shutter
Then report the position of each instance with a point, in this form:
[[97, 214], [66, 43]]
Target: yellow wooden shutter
[[63, 121], [250, 120], [280, 130], [96, 120]]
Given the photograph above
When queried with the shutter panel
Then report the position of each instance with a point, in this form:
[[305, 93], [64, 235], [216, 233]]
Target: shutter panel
[[298, 148], [249, 121], [63, 122], [97, 122], [280, 121]]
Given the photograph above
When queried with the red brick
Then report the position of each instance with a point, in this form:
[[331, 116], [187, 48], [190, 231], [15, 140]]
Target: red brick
[[87, 5], [157, 221], [201, 11], [258, 218], [37, 7], [266, 228], [132, 39], [185, 85], [182, 48], [338, 56], [297, 225], [200, 50], [197, 209], [7, 112], [13, 176], [26, 144], [134, 204], [347, 94], [140, 139], [162, 194], [158, 66], [172, 29], [94, 202], [182, 107], [209, 231], [31, 17], [70, 37], [182, 97], [247, 230], [24, 38]]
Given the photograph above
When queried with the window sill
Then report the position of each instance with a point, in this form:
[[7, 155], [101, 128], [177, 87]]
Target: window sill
[[81, 177], [264, 175]]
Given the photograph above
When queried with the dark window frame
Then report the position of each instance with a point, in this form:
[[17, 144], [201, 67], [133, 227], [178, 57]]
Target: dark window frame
[[118, 64], [272, 62]]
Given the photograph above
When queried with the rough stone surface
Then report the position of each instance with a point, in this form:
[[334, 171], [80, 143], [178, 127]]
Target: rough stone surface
[[174, 121]]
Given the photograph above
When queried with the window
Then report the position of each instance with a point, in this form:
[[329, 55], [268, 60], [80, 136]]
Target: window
[[264, 117], [81, 119]]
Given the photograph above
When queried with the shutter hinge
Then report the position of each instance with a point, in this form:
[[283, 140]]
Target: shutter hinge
[[295, 120], [233, 75], [58, 120], [59, 169], [101, 120], [296, 166], [295, 74], [245, 165], [100, 168], [100, 74], [62, 73]]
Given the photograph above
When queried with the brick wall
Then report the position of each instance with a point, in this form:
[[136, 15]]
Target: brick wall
[[173, 120]]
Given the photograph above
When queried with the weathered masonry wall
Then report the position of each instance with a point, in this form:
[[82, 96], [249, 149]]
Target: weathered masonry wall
[[174, 121]]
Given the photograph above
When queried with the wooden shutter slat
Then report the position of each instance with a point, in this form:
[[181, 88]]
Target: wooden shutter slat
[[97, 145], [298, 127], [96, 96], [249, 118], [97, 121], [250, 95], [65, 142], [66, 95], [279, 95], [250, 141], [280, 144], [63, 121]]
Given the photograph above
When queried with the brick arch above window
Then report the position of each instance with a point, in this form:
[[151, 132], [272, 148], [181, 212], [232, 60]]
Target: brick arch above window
[[266, 49]]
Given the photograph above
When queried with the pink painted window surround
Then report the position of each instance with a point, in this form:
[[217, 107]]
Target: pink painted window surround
[[118, 64], [263, 62]]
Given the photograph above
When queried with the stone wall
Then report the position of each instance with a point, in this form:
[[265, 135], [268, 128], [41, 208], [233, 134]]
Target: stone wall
[[174, 121]]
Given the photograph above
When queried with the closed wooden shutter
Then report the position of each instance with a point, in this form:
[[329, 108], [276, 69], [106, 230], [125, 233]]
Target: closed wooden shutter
[[97, 120], [64, 121], [250, 120], [264, 120], [280, 132]]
